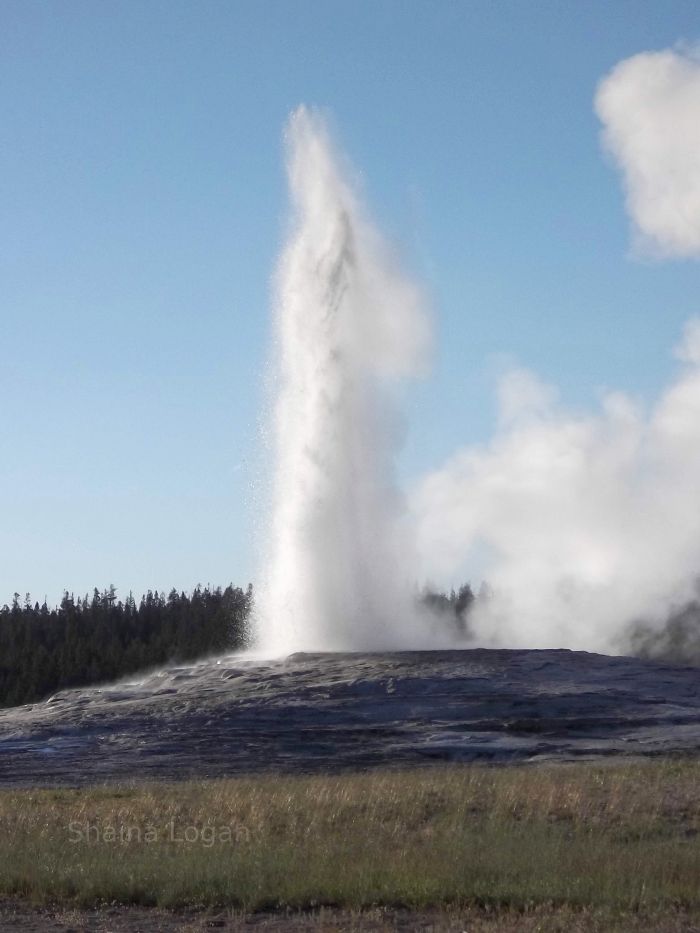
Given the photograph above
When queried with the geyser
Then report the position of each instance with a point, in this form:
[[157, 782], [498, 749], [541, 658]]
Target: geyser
[[338, 571]]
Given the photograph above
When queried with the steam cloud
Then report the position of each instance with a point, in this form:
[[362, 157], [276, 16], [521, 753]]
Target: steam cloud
[[583, 525], [650, 107]]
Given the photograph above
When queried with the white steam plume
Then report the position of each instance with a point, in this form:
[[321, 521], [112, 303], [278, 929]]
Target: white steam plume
[[338, 571], [650, 108], [582, 525]]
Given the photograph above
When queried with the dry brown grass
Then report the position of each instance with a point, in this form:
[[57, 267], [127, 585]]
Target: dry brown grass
[[582, 837]]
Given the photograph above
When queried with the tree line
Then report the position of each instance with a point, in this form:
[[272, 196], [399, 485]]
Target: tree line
[[454, 607], [101, 638]]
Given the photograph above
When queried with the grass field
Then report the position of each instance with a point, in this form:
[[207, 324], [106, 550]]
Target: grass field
[[572, 837]]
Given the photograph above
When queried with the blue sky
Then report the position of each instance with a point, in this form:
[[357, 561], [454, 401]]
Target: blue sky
[[144, 203]]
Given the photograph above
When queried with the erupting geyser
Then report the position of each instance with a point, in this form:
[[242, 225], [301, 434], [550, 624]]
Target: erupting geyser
[[338, 568]]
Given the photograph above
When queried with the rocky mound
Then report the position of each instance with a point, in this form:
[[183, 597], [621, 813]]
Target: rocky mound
[[325, 712]]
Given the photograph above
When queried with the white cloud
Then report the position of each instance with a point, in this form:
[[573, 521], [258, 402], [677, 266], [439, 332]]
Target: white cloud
[[650, 109]]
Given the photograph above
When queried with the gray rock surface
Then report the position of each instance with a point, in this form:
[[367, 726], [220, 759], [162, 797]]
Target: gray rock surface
[[319, 712]]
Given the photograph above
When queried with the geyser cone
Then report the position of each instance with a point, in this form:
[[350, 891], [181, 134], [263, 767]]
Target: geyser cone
[[339, 564]]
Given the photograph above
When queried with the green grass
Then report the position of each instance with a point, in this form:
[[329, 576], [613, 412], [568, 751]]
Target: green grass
[[584, 836]]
